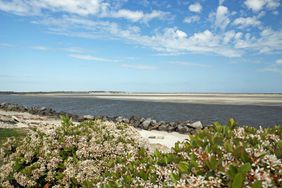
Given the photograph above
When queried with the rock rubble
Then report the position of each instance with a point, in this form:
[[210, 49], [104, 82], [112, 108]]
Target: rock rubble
[[183, 127]]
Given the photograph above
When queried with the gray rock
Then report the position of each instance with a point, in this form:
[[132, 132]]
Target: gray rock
[[172, 124], [153, 122], [133, 119], [163, 127], [10, 107], [80, 118], [105, 118], [136, 124], [119, 119], [42, 109], [8, 121], [146, 123], [154, 127], [142, 119], [15, 119], [3, 104], [88, 117], [156, 137], [182, 129], [171, 129], [196, 125], [125, 120]]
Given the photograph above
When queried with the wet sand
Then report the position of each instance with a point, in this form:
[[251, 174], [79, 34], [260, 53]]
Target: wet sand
[[195, 98]]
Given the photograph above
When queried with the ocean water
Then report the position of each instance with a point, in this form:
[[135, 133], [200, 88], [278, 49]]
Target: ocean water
[[264, 116]]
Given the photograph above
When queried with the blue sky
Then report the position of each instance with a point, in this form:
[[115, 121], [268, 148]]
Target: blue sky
[[157, 45]]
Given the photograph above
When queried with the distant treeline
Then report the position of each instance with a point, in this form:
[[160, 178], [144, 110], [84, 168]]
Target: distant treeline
[[59, 92]]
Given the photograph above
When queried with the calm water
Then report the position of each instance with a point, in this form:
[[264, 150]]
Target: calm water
[[207, 113]]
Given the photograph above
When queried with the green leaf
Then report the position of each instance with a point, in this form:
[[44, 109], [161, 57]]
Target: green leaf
[[232, 171], [232, 123], [176, 147], [241, 153], [228, 146], [245, 168], [279, 144], [143, 175], [214, 162], [237, 181], [174, 177], [257, 184], [142, 152], [183, 166]]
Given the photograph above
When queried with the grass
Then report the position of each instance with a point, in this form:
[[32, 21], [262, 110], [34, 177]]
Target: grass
[[8, 133]]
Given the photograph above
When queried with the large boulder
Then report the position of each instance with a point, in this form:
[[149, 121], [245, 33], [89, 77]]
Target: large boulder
[[42, 108], [121, 119], [88, 117], [146, 123], [133, 120], [171, 128], [163, 127], [196, 125], [3, 104], [182, 129]]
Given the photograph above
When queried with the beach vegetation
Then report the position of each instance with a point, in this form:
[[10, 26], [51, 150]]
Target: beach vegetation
[[106, 154]]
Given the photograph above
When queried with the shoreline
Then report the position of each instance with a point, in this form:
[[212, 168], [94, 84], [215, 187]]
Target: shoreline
[[25, 120], [182, 127], [208, 98]]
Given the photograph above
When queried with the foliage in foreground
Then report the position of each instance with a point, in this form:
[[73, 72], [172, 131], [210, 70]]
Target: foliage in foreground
[[105, 154], [6, 133]]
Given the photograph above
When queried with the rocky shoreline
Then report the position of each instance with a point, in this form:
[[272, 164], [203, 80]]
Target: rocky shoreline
[[183, 127]]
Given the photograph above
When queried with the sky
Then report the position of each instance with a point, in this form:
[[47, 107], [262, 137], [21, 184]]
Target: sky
[[144, 46]]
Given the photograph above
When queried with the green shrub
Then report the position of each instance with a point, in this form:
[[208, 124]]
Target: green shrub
[[105, 154]]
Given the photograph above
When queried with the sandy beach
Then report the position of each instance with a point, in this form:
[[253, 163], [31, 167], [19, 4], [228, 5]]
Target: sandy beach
[[195, 98], [158, 139]]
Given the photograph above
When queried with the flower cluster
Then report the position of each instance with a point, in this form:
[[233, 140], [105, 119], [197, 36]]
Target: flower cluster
[[105, 154]]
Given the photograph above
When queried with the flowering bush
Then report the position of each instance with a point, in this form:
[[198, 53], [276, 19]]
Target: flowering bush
[[104, 154]]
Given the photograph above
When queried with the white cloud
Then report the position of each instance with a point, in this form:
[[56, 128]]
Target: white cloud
[[269, 41], [228, 36], [77, 7], [196, 7], [91, 58], [275, 68], [191, 19], [74, 50], [221, 2], [137, 15], [25, 7], [139, 66], [257, 5], [189, 64], [272, 4], [221, 17], [246, 22], [168, 40], [130, 15], [171, 40], [278, 62], [6, 45], [42, 48], [16, 7]]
